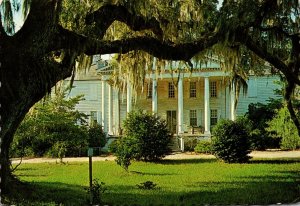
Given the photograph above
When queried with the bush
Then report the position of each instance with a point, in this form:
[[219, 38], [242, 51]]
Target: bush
[[148, 185], [96, 136], [51, 128], [146, 138], [113, 146], [204, 146], [260, 114], [96, 192], [230, 142], [190, 144], [127, 150], [284, 129]]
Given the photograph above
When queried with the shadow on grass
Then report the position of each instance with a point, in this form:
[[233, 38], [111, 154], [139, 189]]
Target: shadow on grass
[[32, 175], [269, 190], [278, 186], [26, 169], [252, 161], [260, 190], [275, 161], [186, 161], [153, 174], [47, 193]]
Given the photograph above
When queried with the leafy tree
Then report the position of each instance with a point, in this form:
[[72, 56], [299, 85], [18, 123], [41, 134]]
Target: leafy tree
[[51, 128], [284, 129], [259, 114], [245, 34]]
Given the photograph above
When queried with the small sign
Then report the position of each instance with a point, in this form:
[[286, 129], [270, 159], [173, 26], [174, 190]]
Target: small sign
[[90, 152]]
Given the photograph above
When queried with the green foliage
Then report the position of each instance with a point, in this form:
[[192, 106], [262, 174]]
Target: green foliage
[[127, 150], [113, 146], [150, 135], [145, 138], [59, 150], [97, 190], [283, 127], [190, 144], [204, 146], [51, 128], [96, 136], [259, 114], [148, 185], [230, 141]]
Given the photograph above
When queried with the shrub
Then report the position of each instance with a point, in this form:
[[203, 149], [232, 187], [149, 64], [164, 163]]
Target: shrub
[[127, 150], [58, 150], [283, 128], [190, 144], [230, 142], [96, 136], [113, 146], [96, 191], [148, 185], [204, 146], [260, 114], [51, 128], [150, 134], [146, 138]]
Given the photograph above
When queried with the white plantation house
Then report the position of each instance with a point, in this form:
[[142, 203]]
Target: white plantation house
[[190, 108]]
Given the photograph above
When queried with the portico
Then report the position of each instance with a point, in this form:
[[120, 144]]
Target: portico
[[191, 103]]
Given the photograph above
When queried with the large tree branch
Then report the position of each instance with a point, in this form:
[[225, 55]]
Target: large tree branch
[[107, 14], [279, 30], [161, 49], [294, 60], [273, 59]]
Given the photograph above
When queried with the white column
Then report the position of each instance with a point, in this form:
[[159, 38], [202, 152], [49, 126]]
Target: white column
[[154, 88], [129, 97], [117, 112], [180, 105], [154, 95], [206, 106], [110, 110], [103, 106], [232, 102]]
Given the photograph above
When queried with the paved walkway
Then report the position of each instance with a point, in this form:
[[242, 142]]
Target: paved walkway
[[186, 155]]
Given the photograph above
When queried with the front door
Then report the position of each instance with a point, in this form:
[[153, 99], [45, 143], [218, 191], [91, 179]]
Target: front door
[[171, 121]]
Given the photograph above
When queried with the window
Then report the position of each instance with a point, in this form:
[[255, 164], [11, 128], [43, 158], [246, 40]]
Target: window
[[193, 118], [192, 89], [213, 89], [93, 117], [149, 90], [171, 90], [213, 117]]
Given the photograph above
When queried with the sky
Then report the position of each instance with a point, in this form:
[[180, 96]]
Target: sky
[[17, 15]]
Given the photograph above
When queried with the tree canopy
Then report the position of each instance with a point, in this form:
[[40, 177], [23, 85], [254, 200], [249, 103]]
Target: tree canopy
[[245, 35]]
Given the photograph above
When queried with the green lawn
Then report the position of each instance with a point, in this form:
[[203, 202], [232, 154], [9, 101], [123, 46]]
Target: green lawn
[[180, 182]]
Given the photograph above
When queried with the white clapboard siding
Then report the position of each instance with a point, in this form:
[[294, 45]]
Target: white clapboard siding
[[260, 89]]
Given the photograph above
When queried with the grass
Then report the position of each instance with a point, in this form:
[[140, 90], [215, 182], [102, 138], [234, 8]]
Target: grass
[[179, 182]]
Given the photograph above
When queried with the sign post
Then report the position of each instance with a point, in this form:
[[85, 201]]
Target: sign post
[[90, 155]]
